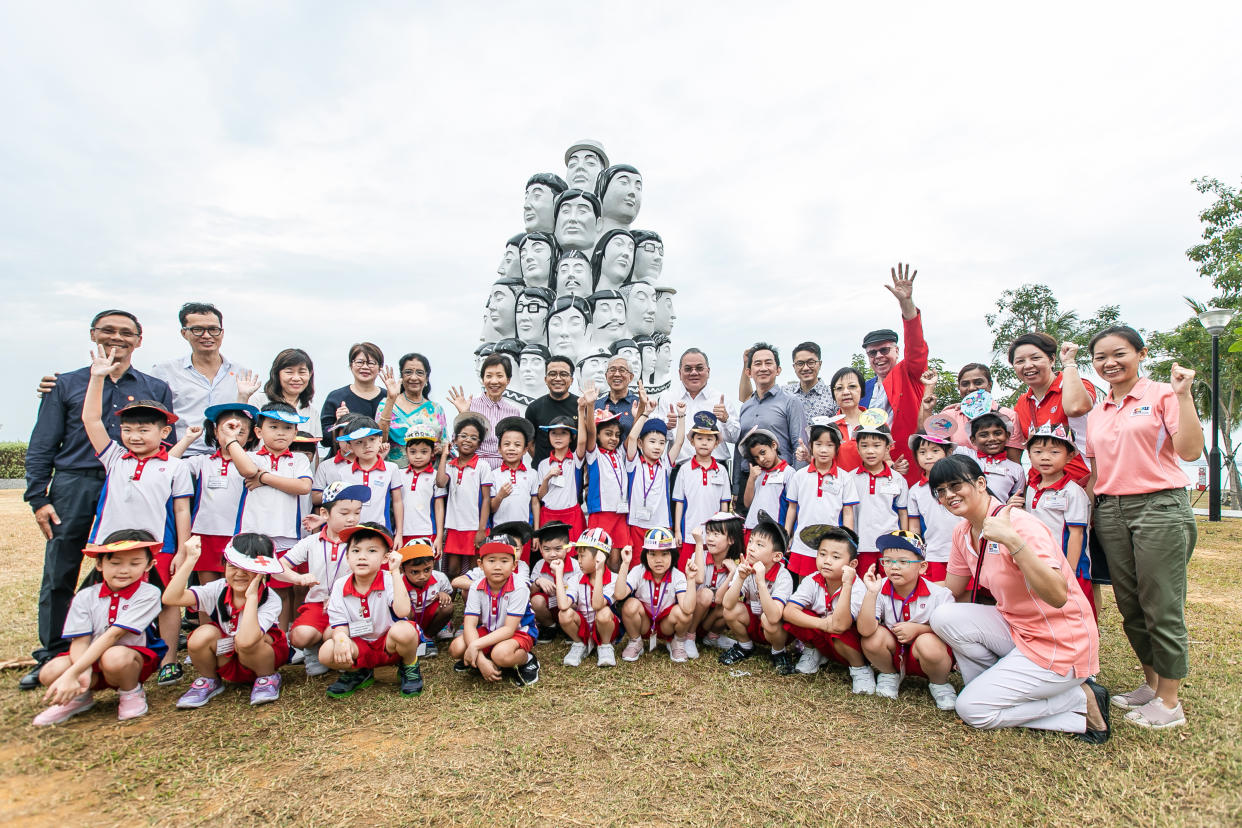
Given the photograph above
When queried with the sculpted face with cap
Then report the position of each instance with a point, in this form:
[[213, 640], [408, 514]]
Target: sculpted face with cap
[[621, 195], [640, 308], [583, 163], [531, 366], [573, 274]]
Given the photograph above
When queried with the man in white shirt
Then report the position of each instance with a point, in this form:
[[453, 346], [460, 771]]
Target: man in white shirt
[[693, 371]]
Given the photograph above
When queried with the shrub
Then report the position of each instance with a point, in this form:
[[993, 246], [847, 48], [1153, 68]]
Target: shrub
[[12, 460]]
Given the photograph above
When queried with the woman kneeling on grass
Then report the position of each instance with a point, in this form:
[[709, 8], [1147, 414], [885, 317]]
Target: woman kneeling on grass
[[1027, 661]]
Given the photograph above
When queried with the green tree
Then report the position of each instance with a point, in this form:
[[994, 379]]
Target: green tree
[[1190, 345], [1219, 257]]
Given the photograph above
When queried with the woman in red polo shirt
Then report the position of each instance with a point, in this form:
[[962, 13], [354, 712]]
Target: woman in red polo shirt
[[1061, 398], [1142, 514]]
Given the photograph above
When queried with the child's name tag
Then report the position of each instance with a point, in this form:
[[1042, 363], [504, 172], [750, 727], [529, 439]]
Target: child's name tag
[[557, 482], [217, 482], [643, 512], [993, 548], [716, 478], [1054, 500], [773, 479], [887, 487], [361, 627], [224, 646]]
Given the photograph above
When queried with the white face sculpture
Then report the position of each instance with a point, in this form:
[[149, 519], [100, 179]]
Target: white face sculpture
[[532, 314], [665, 317], [508, 267], [530, 373], [649, 261], [537, 209], [577, 228], [615, 268], [663, 361], [640, 309], [632, 357], [623, 198], [592, 371], [584, 165], [501, 310], [567, 333], [536, 257], [573, 277], [649, 362], [608, 321]]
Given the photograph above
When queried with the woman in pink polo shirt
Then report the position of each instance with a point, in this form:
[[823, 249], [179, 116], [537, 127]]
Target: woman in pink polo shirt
[[1142, 514], [975, 376], [1027, 661]]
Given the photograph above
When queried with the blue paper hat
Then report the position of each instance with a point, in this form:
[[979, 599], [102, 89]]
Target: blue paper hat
[[358, 434], [704, 422], [284, 417], [657, 425], [336, 490], [212, 412], [560, 422]]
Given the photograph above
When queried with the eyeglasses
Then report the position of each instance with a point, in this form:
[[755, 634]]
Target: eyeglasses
[[651, 247], [364, 363], [875, 352], [693, 369], [531, 307], [197, 331], [408, 372], [894, 563], [941, 492], [616, 372], [558, 375], [806, 363], [123, 333]]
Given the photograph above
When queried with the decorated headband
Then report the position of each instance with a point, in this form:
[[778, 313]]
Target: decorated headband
[[284, 417], [92, 550]]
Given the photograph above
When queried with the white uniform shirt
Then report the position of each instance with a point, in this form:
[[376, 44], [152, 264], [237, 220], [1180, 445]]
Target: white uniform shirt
[[584, 588], [493, 609], [324, 559], [521, 573], [715, 576], [656, 597], [649, 494], [917, 607], [467, 486], [134, 609], [334, 469], [569, 577], [705, 400], [418, 499], [936, 523], [780, 587], [812, 594], [564, 492], [1005, 477], [517, 504], [1059, 509], [368, 615], [607, 482], [269, 511], [207, 599], [138, 494], [421, 599], [879, 498], [769, 494], [702, 491], [220, 488], [820, 499], [381, 479]]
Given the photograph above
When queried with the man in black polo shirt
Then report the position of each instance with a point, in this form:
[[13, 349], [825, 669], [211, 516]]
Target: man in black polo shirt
[[63, 476], [558, 402]]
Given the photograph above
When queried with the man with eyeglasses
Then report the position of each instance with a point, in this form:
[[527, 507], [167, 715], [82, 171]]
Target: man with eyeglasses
[[816, 396], [620, 399], [558, 402], [63, 476], [693, 372], [897, 386], [204, 376]]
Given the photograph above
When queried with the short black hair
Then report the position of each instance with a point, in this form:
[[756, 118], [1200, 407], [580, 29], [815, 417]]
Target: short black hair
[[569, 363], [810, 347], [143, 416], [918, 440], [769, 531], [1037, 339], [731, 529], [762, 346], [198, 307], [975, 366], [841, 535], [369, 530], [844, 372], [494, 360], [987, 420], [672, 557], [1047, 439], [115, 312], [284, 407]]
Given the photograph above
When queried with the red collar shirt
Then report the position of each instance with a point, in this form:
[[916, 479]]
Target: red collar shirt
[[656, 596], [220, 488], [820, 498], [368, 615], [493, 609], [268, 510], [382, 479], [521, 573], [134, 609], [780, 587], [702, 490], [422, 599], [1060, 506], [607, 481], [649, 493], [569, 576], [814, 596], [1050, 410], [418, 497], [584, 589], [468, 484], [207, 599], [1005, 477], [518, 505], [138, 494], [882, 501], [564, 490], [769, 494], [324, 559], [334, 469], [917, 607]]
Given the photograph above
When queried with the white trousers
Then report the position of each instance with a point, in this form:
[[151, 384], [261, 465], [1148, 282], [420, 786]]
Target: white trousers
[[1003, 687]]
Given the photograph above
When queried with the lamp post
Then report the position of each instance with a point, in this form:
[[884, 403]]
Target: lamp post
[[1214, 321]]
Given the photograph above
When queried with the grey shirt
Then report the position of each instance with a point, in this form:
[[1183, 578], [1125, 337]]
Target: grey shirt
[[778, 411]]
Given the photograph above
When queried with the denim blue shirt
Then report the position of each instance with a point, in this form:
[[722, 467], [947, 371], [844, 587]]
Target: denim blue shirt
[[624, 409]]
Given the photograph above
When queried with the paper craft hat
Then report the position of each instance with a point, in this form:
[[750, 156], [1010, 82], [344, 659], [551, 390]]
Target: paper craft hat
[[721, 517], [939, 427], [422, 431], [596, 539], [914, 439], [604, 415], [212, 412], [94, 550], [812, 535], [358, 434], [149, 405], [419, 549], [373, 528], [1060, 432], [337, 490], [977, 403], [832, 422], [284, 417], [776, 527], [659, 539], [873, 421], [704, 422], [254, 553], [902, 539], [562, 421]]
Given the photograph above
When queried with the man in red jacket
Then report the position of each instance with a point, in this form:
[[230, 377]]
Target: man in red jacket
[[897, 386]]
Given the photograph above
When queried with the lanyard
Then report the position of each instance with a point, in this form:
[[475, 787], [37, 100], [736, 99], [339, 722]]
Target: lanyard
[[657, 598], [974, 587], [649, 484], [336, 556], [616, 468]]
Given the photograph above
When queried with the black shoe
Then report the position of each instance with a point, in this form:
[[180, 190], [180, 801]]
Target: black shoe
[[460, 666], [783, 663], [350, 682], [411, 679], [182, 641], [528, 673], [735, 654], [1097, 737], [546, 635], [30, 680]]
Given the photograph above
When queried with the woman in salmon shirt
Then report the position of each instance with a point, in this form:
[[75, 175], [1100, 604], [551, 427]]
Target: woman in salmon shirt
[[1061, 398], [1142, 514], [1027, 661]]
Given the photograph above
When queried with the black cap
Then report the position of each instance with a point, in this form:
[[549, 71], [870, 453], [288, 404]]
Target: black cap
[[882, 335]]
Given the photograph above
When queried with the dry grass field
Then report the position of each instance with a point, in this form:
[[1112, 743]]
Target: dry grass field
[[649, 744]]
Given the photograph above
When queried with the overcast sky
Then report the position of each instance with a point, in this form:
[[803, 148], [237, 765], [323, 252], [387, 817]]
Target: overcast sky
[[329, 172]]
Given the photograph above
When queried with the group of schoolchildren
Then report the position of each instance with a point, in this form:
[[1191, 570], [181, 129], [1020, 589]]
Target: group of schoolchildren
[[357, 564]]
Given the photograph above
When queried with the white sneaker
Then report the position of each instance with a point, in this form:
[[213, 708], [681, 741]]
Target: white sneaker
[[633, 649], [1155, 715], [574, 657], [809, 664], [1136, 698], [299, 655], [605, 656], [677, 650], [692, 648], [887, 685], [944, 694], [862, 680], [314, 667]]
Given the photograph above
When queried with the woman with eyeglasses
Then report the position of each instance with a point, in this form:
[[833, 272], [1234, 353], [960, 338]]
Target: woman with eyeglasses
[[1028, 660], [408, 404], [361, 396]]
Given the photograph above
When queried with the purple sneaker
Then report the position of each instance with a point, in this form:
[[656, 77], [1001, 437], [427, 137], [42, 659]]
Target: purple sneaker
[[201, 691], [266, 689]]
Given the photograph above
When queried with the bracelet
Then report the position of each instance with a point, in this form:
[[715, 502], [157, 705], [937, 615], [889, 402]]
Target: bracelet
[[260, 478], [1015, 552], [230, 443]]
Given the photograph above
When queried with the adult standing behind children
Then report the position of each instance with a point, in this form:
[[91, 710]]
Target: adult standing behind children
[[63, 476], [975, 376], [620, 399], [1061, 398], [361, 396], [409, 404], [495, 374], [769, 407], [815, 394], [694, 371], [558, 374], [291, 380], [897, 386]]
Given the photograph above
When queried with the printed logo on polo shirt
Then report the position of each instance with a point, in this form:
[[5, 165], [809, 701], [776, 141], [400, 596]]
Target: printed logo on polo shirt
[[1052, 410], [1141, 411]]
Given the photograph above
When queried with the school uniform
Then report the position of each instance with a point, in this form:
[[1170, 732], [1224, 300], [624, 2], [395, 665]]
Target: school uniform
[[814, 598], [769, 495], [418, 498], [702, 490], [469, 482], [220, 488], [580, 601], [368, 615], [917, 608], [570, 576], [216, 599], [780, 588], [820, 499], [269, 511], [936, 525], [382, 479], [325, 559], [135, 608], [334, 469], [881, 499], [493, 609], [521, 572], [517, 505], [425, 602], [1050, 410], [608, 491], [563, 500], [714, 576], [1005, 477], [1060, 506], [649, 505], [657, 598]]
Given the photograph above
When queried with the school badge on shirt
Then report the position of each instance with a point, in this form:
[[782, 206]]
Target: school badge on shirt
[[1141, 411]]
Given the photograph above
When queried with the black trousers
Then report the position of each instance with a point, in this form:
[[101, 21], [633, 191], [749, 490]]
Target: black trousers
[[74, 496]]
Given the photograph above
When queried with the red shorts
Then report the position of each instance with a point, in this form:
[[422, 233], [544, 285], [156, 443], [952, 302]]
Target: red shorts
[[687, 552], [1086, 584], [655, 622], [611, 522], [522, 639], [913, 668], [824, 641], [866, 560], [150, 663], [572, 516], [163, 567], [424, 618], [589, 633], [801, 565], [311, 615], [754, 628], [371, 654], [212, 559], [937, 571], [233, 670], [459, 542]]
